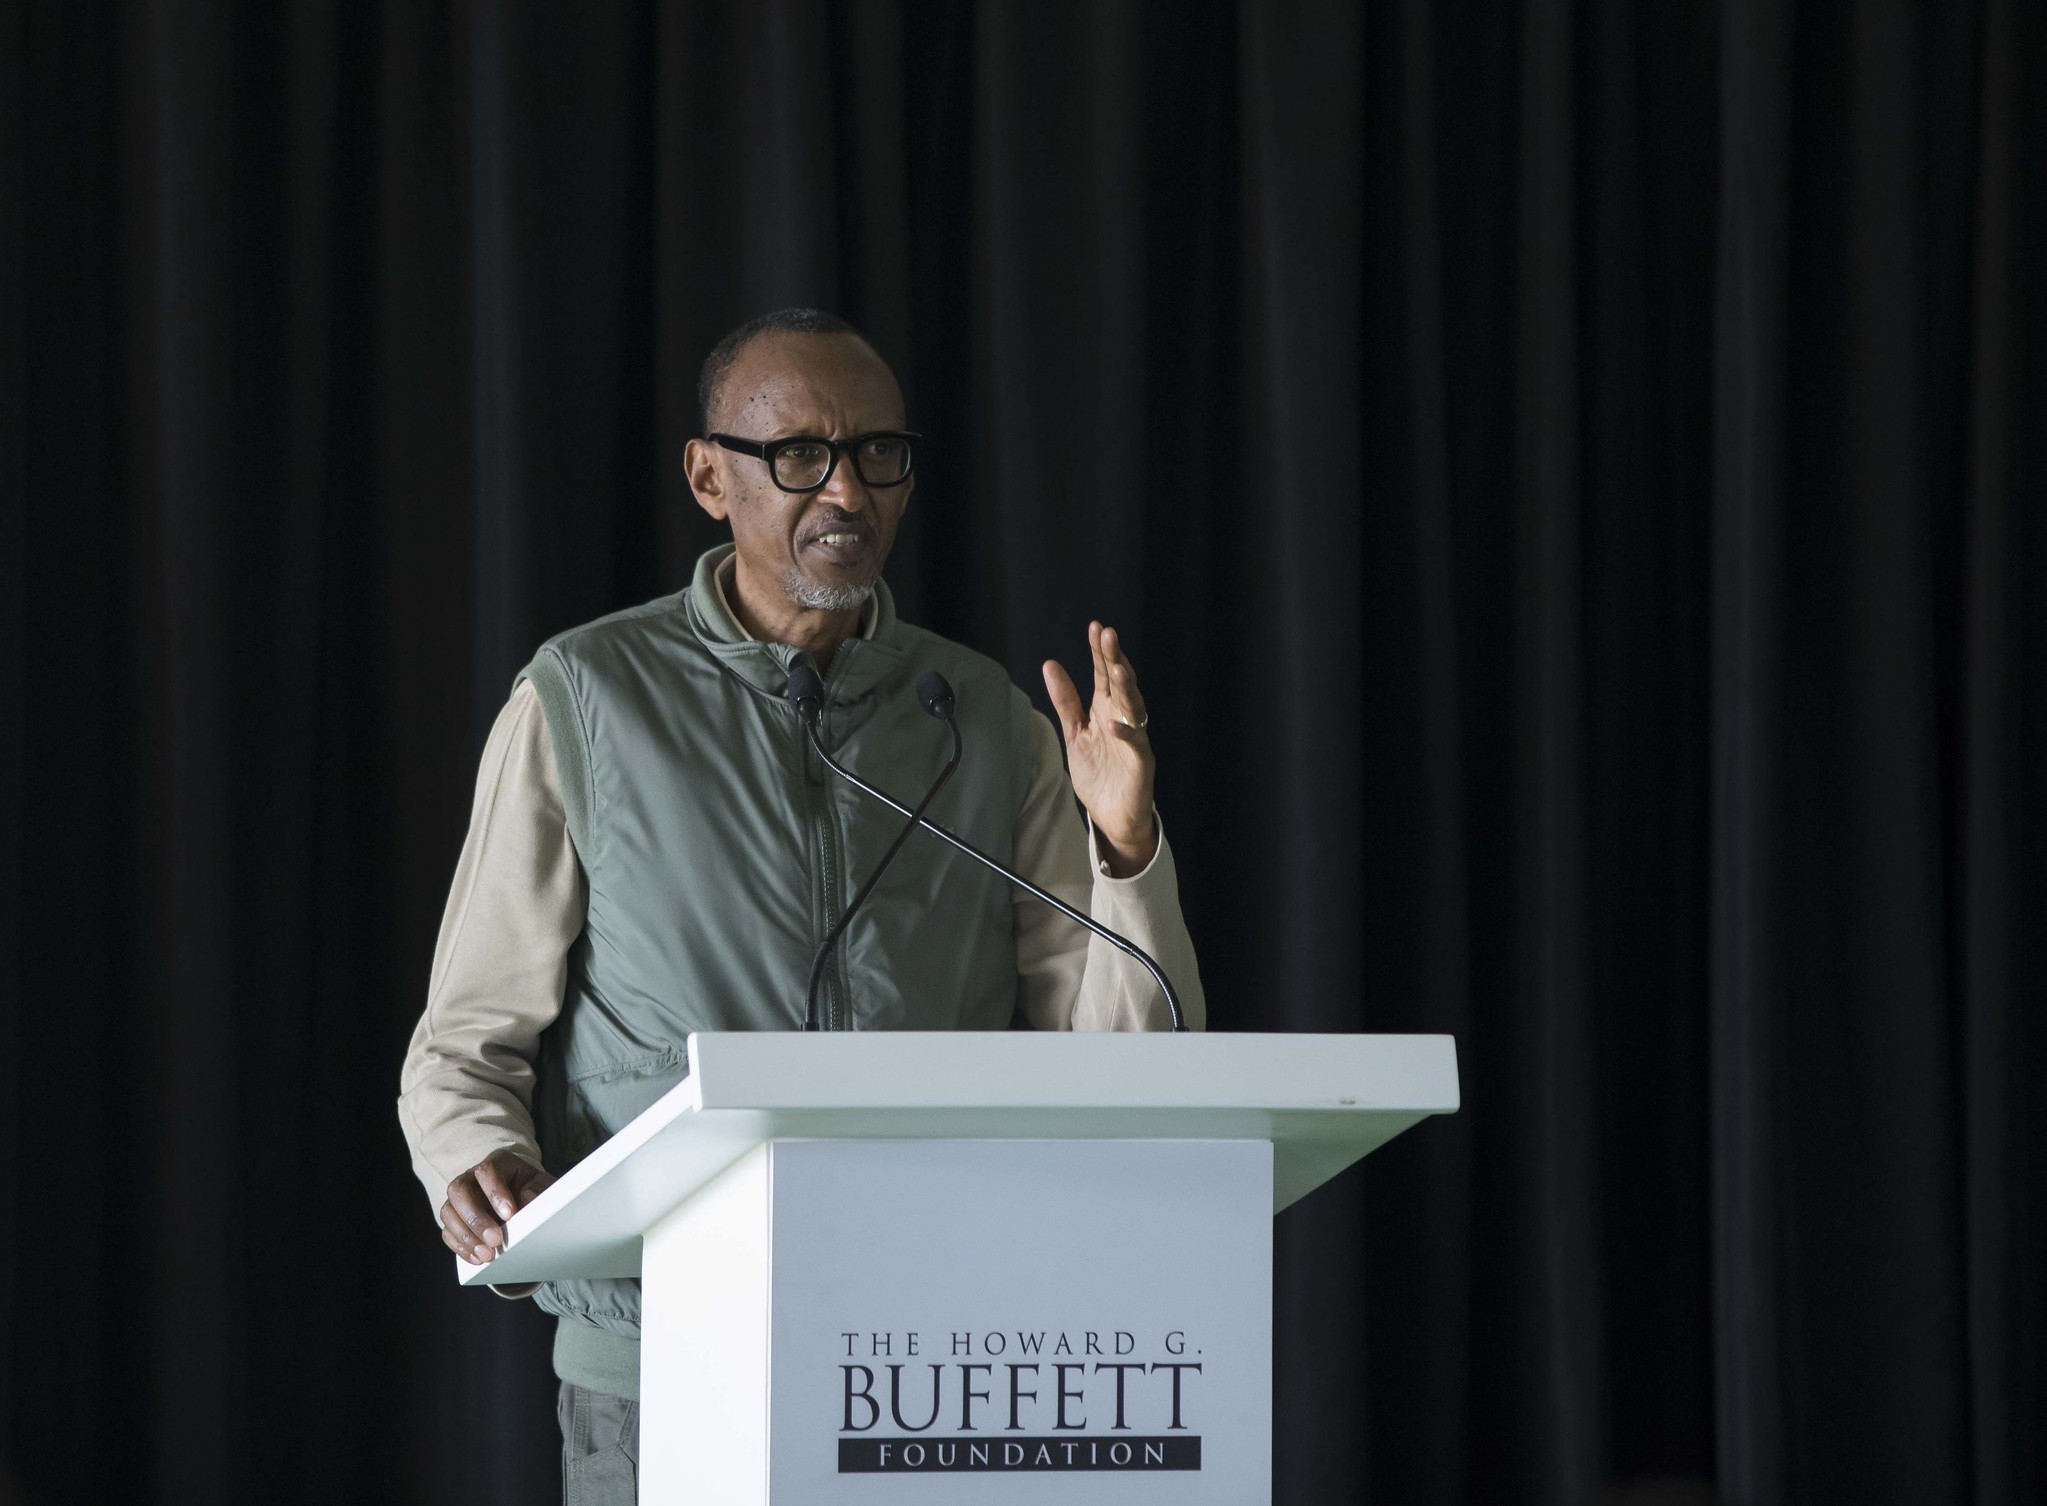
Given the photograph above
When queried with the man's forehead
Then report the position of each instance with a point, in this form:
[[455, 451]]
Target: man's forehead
[[788, 376]]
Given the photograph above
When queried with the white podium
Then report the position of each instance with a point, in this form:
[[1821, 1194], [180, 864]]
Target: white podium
[[959, 1268]]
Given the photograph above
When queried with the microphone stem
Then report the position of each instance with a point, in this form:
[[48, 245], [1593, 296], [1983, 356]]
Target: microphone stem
[[1128, 948], [916, 818]]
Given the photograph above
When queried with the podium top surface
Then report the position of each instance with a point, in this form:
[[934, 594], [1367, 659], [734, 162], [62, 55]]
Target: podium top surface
[[1323, 1101]]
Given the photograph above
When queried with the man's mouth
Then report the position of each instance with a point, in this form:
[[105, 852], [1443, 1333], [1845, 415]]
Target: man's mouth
[[843, 546]]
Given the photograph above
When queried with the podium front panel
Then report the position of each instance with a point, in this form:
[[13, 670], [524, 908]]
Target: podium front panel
[[1061, 1321]]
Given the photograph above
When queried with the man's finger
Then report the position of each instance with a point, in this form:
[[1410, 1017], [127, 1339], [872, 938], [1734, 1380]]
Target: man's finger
[[1094, 648], [1065, 699], [460, 1238], [1123, 691], [504, 1201], [468, 1244], [1112, 643], [462, 1247], [471, 1208]]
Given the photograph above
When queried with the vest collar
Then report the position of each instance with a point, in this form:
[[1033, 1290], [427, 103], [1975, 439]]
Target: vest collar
[[862, 662]]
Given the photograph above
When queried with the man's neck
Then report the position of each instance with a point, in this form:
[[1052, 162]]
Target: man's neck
[[765, 611]]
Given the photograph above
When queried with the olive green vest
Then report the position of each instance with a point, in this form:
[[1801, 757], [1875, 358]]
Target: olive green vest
[[718, 850]]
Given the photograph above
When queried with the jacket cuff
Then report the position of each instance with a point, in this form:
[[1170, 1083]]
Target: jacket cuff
[[1145, 877], [443, 1150]]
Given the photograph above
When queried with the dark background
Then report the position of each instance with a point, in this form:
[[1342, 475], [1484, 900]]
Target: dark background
[[1570, 474]]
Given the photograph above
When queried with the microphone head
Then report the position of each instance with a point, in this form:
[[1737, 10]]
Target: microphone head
[[806, 691], [934, 694]]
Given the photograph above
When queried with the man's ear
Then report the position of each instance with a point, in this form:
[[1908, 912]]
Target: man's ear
[[706, 478]]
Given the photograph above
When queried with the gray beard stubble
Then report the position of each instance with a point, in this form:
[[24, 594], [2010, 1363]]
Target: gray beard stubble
[[816, 596]]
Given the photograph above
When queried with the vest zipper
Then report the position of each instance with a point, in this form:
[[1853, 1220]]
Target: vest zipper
[[829, 984], [836, 1002]]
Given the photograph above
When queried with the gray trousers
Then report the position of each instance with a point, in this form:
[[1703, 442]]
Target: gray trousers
[[600, 1447]]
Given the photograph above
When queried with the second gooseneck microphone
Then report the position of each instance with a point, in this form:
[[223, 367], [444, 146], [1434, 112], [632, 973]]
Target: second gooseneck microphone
[[806, 694]]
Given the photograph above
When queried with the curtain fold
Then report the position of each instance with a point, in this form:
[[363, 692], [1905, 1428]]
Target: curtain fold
[[1568, 473]]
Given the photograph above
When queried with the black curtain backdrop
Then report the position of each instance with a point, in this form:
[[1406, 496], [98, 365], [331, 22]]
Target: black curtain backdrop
[[1571, 475]]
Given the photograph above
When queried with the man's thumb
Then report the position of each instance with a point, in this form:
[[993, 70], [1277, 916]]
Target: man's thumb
[[1065, 699]]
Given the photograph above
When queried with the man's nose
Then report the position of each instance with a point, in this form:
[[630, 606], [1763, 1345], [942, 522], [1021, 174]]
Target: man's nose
[[843, 488]]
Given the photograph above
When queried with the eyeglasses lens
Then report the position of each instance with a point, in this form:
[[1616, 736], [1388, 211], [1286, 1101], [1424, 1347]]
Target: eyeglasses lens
[[799, 467], [880, 460]]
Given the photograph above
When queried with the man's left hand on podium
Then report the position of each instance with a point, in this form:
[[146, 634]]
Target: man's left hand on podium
[[482, 1201]]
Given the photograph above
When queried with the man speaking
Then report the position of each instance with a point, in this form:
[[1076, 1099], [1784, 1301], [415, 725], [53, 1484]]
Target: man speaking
[[656, 849]]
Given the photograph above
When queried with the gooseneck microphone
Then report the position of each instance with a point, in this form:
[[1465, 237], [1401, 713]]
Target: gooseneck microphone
[[806, 693]]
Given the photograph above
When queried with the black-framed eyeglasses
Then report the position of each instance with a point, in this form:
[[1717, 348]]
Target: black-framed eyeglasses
[[805, 462]]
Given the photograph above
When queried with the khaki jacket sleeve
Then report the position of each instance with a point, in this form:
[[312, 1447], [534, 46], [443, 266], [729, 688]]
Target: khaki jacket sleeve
[[516, 907], [1070, 979]]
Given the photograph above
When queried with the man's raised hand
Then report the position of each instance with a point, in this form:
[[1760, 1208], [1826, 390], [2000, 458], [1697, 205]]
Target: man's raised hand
[[1108, 752], [483, 1199]]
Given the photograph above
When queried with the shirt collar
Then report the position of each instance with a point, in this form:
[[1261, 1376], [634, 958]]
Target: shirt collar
[[721, 582], [862, 663]]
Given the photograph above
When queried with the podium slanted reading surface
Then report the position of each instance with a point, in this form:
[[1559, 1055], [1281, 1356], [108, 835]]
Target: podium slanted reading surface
[[967, 1267]]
